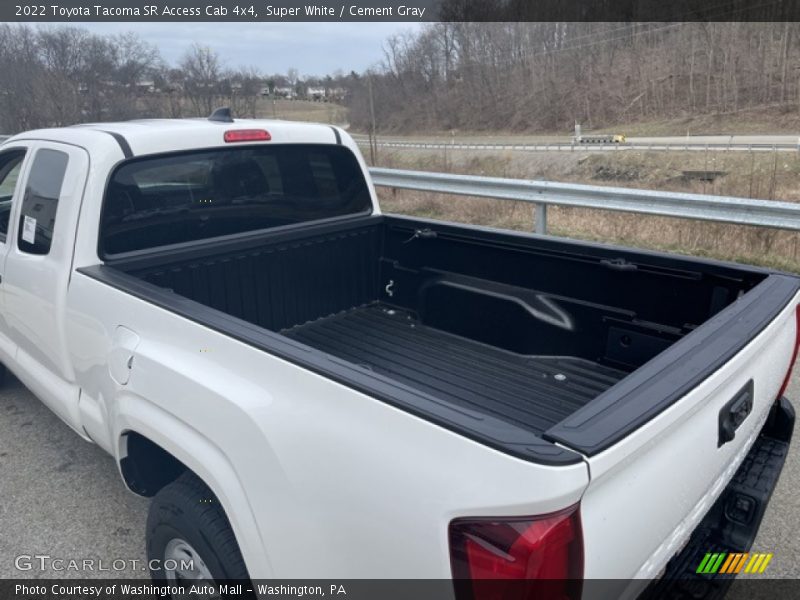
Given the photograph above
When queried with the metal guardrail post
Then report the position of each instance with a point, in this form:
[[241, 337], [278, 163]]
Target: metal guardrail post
[[540, 219]]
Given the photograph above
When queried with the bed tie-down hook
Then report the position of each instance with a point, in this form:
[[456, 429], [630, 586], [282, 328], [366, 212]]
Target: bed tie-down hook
[[422, 234], [389, 288]]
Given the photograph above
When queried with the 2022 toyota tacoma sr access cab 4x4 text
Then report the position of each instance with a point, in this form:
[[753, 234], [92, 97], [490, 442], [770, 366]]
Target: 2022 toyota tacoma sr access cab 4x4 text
[[221, 305]]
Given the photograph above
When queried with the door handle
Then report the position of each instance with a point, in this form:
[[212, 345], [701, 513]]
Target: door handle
[[734, 413]]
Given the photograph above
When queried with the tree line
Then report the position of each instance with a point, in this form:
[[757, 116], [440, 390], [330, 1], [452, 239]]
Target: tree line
[[544, 76], [445, 76], [59, 76]]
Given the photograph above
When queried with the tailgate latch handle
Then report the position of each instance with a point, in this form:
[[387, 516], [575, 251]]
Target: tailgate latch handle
[[733, 414]]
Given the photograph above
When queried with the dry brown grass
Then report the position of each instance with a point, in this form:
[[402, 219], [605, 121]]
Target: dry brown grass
[[767, 175], [301, 110], [780, 120], [772, 120]]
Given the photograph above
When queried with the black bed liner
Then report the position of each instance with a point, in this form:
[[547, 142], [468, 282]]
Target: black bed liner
[[535, 392]]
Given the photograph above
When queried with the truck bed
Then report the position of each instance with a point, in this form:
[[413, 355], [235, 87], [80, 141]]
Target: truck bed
[[534, 392], [531, 345]]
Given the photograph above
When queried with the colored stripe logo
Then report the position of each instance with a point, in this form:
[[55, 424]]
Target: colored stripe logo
[[733, 563]]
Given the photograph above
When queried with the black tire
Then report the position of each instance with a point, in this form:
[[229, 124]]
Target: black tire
[[186, 509], [3, 373]]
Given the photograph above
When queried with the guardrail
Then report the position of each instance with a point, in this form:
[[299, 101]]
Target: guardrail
[[723, 209]]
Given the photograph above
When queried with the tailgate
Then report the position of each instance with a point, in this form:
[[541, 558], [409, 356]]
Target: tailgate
[[650, 489]]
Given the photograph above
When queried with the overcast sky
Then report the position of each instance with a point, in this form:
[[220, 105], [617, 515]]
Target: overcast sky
[[312, 48]]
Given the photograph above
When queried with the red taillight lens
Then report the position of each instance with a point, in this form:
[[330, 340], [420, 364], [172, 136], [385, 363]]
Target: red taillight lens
[[794, 353], [247, 135], [519, 558]]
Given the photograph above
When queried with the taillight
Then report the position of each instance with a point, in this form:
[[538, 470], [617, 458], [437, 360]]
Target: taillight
[[794, 352], [247, 135], [518, 558]]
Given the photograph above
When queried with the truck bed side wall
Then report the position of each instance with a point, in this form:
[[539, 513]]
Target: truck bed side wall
[[552, 297], [283, 282]]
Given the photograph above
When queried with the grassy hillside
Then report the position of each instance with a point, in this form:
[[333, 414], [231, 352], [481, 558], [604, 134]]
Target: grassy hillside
[[775, 121], [772, 121]]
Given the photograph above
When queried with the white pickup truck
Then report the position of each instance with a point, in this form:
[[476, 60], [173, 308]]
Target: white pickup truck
[[308, 388]]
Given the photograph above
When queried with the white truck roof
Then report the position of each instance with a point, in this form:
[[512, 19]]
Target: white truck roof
[[152, 136]]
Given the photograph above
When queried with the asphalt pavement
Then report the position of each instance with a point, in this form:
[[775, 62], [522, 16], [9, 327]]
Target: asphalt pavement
[[63, 498]]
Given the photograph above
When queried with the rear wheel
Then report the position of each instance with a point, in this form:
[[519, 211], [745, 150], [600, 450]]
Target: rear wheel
[[3, 373], [189, 538]]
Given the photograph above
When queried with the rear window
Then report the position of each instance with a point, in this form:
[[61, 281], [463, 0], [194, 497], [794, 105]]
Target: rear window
[[37, 219], [187, 197]]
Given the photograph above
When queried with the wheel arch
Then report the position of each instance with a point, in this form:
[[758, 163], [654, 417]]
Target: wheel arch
[[154, 448]]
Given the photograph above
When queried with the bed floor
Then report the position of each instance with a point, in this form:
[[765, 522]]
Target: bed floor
[[534, 391]]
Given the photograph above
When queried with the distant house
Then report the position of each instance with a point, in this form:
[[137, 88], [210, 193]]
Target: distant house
[[285, 92], [315, 93], [335, 94], [146, 85]]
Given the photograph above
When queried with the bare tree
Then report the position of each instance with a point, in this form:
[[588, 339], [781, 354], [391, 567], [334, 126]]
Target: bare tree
[[136, 65], [63, 57], [22, 81], [246, 85], [202, 73], [530, 76]]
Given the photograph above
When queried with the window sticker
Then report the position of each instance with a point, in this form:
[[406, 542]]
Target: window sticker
[[29, 230]]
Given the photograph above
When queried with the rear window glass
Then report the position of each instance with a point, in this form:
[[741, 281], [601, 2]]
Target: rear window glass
[[37, 219], [193, 196]]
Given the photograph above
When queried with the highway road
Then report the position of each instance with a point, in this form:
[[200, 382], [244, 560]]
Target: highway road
[[755, 143]]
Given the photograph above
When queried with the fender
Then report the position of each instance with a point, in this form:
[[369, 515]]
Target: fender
[[207, 461]]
